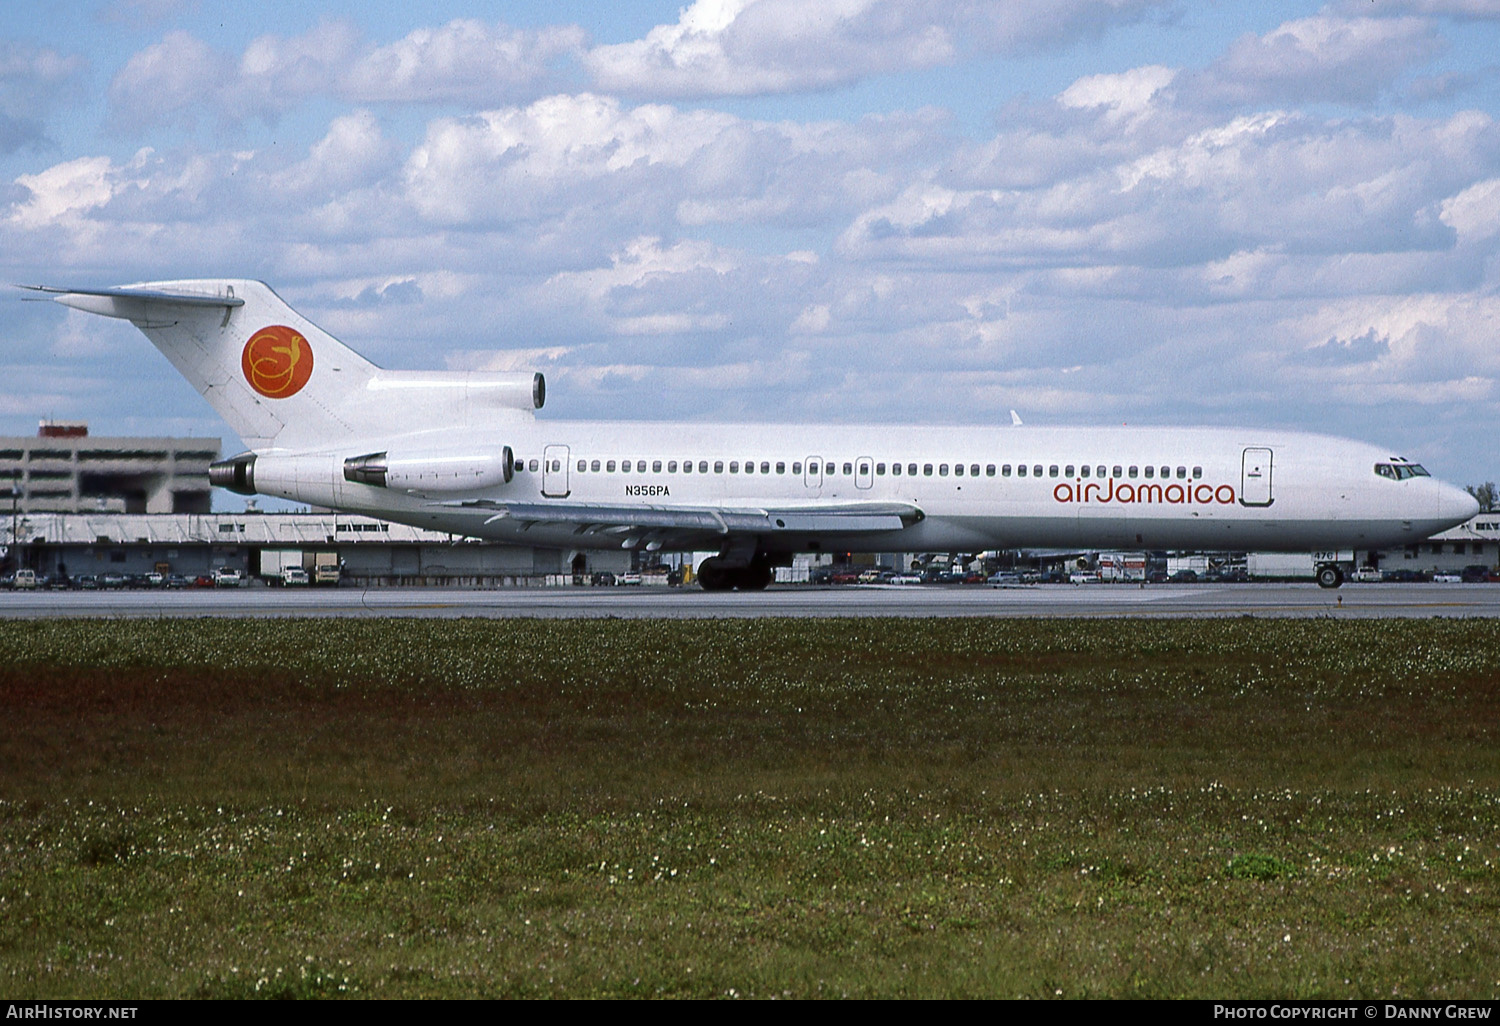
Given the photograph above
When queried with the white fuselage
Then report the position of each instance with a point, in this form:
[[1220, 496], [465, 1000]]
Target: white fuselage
[[1083, 488]]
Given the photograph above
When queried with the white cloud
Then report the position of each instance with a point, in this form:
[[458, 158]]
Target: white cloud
[[1322, 58], [1127, 93], [753, 47], [1475, 212], [464, 60], [66, 191]]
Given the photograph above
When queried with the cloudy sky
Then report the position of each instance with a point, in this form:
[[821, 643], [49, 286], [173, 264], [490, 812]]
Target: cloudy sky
[[1092, 211]]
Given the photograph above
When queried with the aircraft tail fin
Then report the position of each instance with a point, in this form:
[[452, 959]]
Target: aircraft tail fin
[[278, 379], [273, 375]]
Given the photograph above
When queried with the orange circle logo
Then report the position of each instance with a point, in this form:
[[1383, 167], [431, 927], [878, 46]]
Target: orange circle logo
[[277, 362]]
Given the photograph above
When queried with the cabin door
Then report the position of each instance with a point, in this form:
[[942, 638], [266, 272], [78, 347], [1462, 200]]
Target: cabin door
[[1255, 478], [555, 472], [812, 475]]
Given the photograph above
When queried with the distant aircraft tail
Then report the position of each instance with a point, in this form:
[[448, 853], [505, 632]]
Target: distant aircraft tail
[[282, 382]]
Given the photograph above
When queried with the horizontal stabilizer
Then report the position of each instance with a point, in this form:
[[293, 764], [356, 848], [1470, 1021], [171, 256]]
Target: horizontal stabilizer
[[84, 297]]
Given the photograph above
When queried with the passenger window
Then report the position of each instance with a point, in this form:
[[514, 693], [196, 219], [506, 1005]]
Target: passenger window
[[1052, 470], [848, 469], [896, 469], [1150, 472], [797, 469], [734, 466], [765, 468], [687, 466], [1101, 471], [611, 466], [749, 466], [911, 470], [1083, 471], [958, 470], [556, 465], [1166, 472], [594, 466], [830, 469], [1135, 472], [927, 470], [1181, 473], [1068, 470], [943, 470], [781, 468], [656, 466], [583, 465], [671, 466], [864, 468], [973, 470], [989, 470], [718, 466], [703, 467], [1021, 470], [533, 466], [640, 466], [1036, 471], [1005, 470], [1119, 471], [1197, 473], [880, 470]]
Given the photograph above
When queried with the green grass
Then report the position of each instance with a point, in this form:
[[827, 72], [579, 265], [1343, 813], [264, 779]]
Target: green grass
[[756, 808]]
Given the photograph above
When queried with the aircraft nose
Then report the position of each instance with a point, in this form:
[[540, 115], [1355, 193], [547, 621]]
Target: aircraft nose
[[1455, 504]]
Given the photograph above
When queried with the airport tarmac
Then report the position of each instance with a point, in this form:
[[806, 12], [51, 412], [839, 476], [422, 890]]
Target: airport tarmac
[[1356, 601]]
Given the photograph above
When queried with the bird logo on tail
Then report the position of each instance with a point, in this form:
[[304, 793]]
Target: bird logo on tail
[[277, 362]]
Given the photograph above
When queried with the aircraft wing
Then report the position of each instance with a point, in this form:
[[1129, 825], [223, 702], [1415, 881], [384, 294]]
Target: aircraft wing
[[656, 525]]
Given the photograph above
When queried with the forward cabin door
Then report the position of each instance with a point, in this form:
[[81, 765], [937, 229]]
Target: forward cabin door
[[1255, 478], [555, 472]]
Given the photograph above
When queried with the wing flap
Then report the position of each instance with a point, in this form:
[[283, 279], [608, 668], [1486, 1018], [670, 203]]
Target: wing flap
[[848, 518]]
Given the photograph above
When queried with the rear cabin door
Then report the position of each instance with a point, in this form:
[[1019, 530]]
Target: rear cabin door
[[1255, 478], [555, 472]]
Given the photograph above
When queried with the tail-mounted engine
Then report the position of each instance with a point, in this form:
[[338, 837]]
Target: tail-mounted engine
[[432, 472]]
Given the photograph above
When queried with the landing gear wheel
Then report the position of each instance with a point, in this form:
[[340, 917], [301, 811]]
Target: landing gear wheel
[[755, 577], [714, 576], [1330, 577]]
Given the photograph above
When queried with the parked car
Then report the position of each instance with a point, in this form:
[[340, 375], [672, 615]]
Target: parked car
[[1447, 577], [1002, 578], [1367, 575], [1184, 577], [228, 577], [1476, 573]]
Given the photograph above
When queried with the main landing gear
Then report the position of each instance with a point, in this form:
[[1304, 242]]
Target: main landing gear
[[1330, 576], [717, 574]]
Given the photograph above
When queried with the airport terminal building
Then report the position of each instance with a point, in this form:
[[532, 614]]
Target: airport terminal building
[[64, 469]]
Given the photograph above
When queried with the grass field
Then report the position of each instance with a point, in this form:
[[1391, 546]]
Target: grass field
[[753, 808]]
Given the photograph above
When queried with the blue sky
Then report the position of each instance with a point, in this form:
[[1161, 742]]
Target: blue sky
[[1093, 211]]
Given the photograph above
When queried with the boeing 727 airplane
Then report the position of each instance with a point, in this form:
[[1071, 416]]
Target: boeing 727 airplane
[[463, 452]]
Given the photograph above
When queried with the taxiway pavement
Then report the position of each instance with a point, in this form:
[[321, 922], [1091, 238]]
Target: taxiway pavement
[[1155, 601]]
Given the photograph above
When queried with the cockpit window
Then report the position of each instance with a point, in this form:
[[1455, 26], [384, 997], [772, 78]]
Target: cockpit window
[[1401, 471]]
